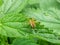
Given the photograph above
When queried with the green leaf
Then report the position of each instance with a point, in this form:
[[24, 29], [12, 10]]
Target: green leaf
[[58, 1], [33, 2], [1, 2], [50, 19], [24, 42], [49, 37], [11, 25], [13, 5], [46, 4]]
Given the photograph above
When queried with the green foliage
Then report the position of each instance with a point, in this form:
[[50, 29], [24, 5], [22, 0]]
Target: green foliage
[[1, 1], [29, 22], [23, 41]]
